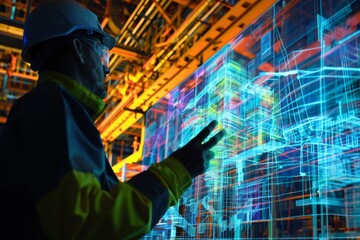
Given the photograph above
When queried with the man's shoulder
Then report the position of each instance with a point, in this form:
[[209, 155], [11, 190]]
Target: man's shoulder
[[45, 94], [47, 97]]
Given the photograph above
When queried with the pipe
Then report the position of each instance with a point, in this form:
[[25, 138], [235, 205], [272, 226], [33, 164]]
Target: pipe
[[163, 14]]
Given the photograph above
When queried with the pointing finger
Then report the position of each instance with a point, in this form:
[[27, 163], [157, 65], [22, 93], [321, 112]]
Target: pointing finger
[[214, 140], [206, 131]]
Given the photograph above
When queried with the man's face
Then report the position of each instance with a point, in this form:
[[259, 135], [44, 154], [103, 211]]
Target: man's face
[[97, 67]]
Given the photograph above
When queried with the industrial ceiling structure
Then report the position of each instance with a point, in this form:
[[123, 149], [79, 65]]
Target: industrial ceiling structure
[[158, 44]]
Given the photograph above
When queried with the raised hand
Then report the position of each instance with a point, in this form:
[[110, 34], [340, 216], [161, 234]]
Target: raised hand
[[196, 154]]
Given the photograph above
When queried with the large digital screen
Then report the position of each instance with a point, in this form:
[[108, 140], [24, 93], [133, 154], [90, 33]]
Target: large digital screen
[[286, 90]]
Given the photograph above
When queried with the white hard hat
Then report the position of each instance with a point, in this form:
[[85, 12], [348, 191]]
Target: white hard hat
[[59, 18]]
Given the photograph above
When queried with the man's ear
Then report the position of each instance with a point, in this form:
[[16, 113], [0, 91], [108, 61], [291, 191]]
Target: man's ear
[[79, 50]]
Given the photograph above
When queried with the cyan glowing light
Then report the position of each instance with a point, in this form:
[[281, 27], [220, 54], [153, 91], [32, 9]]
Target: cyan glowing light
[[289, 165]]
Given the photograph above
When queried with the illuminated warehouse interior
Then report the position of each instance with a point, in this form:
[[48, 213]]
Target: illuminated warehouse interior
[[281, 77]]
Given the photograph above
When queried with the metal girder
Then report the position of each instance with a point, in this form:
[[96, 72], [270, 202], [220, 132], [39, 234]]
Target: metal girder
[[19, 68], [127, 53]]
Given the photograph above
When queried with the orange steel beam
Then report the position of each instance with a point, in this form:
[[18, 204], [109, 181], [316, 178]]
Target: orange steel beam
[[127, 53], [21, 75], [3, 119]]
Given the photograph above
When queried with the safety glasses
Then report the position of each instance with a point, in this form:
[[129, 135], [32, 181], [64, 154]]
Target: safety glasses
[[100, 49]]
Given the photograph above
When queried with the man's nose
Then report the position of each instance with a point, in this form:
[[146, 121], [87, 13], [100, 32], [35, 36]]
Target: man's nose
[[106, 70]]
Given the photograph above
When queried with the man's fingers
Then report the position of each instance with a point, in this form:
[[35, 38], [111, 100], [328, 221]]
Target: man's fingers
[[206, 131], [209, 155], [214, 140]]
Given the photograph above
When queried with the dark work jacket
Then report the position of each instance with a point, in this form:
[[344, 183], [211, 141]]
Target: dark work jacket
[[56, 182]]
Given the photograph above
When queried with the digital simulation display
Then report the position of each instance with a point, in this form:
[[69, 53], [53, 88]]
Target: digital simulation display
[[286, 90]]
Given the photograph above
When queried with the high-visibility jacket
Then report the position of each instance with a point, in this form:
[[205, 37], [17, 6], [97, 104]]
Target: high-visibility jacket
[[56, 182]]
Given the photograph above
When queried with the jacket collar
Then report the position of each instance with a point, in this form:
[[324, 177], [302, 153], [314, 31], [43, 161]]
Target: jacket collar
[[81, 93]]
